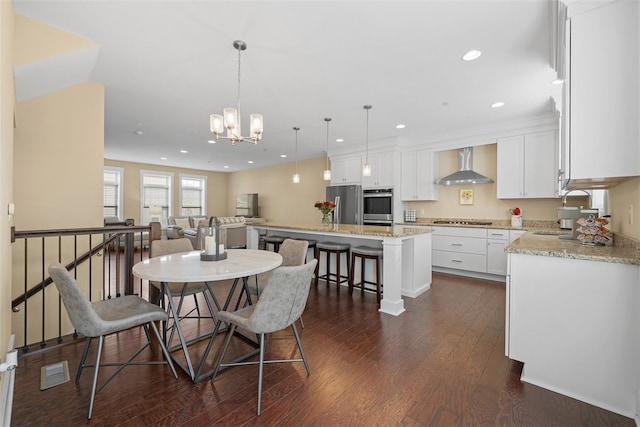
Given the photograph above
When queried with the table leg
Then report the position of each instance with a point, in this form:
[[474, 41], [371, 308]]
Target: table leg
[[183, 343]]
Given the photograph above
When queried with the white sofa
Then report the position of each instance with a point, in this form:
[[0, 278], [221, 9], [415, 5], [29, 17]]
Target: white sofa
[[235, 225]]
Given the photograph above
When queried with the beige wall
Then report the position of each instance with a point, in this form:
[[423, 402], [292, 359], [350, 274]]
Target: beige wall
[[57, 160], [217, 191], [279, 198], [620, 198], [486, 205], [7, 104], [58, 157]]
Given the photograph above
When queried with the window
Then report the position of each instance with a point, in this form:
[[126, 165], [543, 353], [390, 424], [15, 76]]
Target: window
[[193, 195], [112, 192], [156, 190]]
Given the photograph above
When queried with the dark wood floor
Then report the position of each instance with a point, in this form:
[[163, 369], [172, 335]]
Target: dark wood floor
[[440, 363]]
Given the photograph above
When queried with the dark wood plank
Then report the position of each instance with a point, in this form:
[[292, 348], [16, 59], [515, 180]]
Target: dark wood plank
[[440, 363]]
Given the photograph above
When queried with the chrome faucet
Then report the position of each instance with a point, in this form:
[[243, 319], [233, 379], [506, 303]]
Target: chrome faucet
[[564, 198]]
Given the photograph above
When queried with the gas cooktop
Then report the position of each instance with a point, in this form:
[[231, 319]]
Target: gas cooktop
[[454, 222]]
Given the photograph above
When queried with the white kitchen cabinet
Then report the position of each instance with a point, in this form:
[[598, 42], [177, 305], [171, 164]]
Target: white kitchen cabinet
[[604, 112], [460, 248], [419, 172], [383, 170], [528, 166], [346, 170], [497, 241], [573, 325]]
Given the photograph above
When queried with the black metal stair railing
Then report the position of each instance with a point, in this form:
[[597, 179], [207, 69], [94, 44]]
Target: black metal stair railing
[[111, 250]]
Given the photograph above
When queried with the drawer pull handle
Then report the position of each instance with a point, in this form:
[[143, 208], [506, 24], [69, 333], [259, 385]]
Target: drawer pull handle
[[456, 244], [456, 260]]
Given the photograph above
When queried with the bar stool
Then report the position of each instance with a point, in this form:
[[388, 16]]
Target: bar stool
[[363, 253], [312, 245], [337, 249], [276, 241]]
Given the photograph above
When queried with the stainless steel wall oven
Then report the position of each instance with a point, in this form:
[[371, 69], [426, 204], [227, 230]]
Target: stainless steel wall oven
[[378, 207]]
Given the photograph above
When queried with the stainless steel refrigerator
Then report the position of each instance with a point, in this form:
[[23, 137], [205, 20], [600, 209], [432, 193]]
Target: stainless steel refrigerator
[[348, 199]]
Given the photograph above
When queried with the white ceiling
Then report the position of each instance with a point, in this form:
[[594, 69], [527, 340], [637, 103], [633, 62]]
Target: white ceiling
[[167, 65]]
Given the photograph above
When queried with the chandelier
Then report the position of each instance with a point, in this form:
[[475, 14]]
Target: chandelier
[[230, 120]]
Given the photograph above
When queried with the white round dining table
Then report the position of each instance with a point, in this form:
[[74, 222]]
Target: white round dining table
[[187, 267]]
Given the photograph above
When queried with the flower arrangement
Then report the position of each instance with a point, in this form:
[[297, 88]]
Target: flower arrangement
[[325, 207], [516, 211]]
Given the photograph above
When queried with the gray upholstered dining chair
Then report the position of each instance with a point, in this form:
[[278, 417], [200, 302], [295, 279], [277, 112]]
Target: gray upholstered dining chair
[[281, 303], [102, 318], [179, 290], [293, 252]]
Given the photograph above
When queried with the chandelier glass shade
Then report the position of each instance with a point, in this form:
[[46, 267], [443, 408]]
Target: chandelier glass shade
[[230, 119], [327, 172], [296, 176], [366, 168]]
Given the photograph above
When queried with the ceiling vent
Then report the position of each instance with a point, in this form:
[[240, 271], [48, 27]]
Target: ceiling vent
[[465, 174]]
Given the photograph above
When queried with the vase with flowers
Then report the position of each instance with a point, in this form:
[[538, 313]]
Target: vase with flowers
[[326, 208], [516, 217]]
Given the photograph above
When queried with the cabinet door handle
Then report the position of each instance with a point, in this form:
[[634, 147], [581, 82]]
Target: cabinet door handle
[[456, 260]]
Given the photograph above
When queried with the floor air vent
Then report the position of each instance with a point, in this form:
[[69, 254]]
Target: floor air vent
[[53, 375]]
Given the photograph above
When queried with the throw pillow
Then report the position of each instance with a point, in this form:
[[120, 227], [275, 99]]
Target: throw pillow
[[182, 222]]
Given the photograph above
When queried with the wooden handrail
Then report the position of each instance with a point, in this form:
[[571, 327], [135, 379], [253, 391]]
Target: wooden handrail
[[118, 230]]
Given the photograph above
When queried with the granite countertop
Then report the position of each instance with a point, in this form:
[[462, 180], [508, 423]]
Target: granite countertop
[[365, 230], [624, 250], [550, 245]]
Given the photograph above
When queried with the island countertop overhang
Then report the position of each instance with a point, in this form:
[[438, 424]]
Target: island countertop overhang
[[397, 231]]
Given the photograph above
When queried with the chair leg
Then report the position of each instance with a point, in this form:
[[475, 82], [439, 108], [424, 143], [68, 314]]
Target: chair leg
[[351, 272], [301, 322], [83, 359], [95, 376], [260, 370], [316, 254], [299, 342]]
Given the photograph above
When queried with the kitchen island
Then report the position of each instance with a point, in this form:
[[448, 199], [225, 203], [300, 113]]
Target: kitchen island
[[406, 253], [571, 318]]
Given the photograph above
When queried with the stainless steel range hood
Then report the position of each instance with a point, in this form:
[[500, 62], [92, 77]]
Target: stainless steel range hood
[[465, 175]]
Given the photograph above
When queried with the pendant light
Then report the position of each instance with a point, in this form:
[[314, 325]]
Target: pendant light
[[327, 171], [231, 116], [296, 176], [366, 169]]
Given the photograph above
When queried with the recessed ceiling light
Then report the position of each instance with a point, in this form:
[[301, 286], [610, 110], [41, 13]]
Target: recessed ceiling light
[[339, 140], [163, 158], [557, 82], [184, 151], [283, 155], [139, 132], [212, 141], [400, 126], [250, 162], [471, 55], [497, 104], [226, 166]]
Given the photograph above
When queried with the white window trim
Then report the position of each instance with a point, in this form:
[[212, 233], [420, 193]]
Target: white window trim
[[204, 190], [169, 175], [120, 172]]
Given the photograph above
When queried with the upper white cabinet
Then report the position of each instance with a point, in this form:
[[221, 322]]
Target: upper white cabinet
[[383, 170], [528, 166], [604, 115], [419, 172], [346, 170]]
